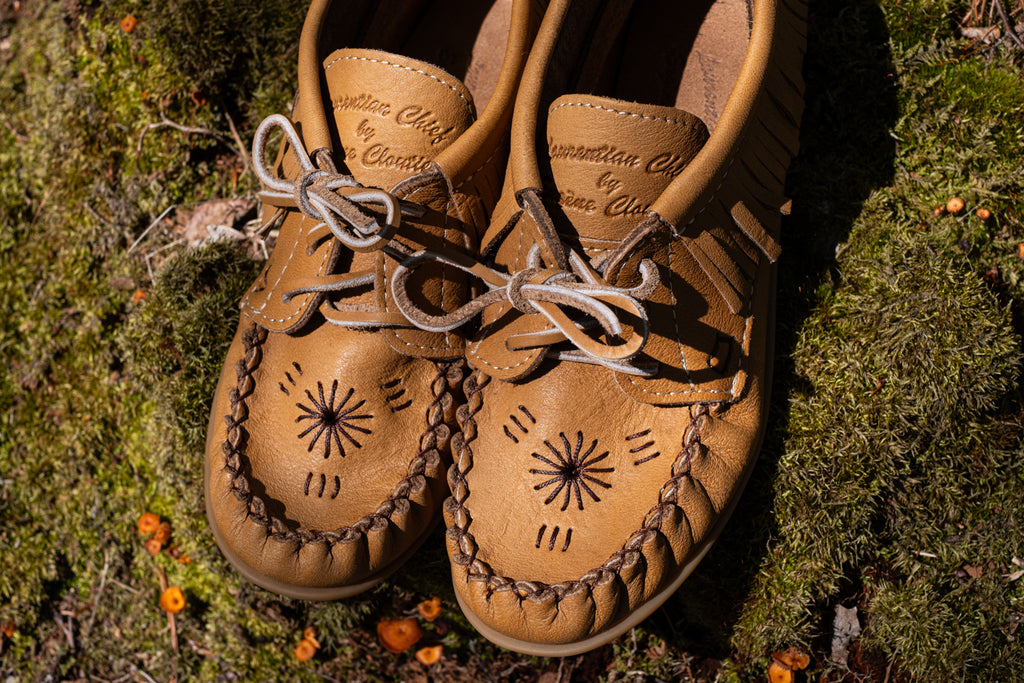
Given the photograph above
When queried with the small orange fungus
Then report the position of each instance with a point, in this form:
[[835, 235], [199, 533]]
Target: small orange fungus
[[310, 635], [172, 600], [779, 673], [955, 205], [163, 532], [138, 296], [398, 635], [785, 663], [128, 24], [153, 546], [148, 523], [983, 213], [430, 609], [305, 650], [8, 628], [429, 655], [793, 658]]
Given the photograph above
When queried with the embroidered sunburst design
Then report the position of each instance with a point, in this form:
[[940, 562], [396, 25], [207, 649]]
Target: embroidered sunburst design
[[336, 421], [571, 471]]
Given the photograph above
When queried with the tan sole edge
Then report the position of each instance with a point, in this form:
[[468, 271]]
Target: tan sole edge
[[310, 592], [595, 641]]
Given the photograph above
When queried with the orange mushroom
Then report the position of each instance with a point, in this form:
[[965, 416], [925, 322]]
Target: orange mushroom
[[983, 213], [793, 658], [148, 523], [429, 655], [163, 532], [305, 650], [779, 673], [430, 609], [152, 546], [785, 663], [172, 600], [398, 635], [310, 635], [128, 24]]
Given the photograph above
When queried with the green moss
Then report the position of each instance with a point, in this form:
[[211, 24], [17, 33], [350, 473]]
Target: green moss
[[891, 477]]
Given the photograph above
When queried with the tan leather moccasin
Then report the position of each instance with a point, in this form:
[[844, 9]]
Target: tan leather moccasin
[[622, 372], [329, 434]]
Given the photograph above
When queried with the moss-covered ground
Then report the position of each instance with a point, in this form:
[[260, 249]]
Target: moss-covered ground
[[892, 479]]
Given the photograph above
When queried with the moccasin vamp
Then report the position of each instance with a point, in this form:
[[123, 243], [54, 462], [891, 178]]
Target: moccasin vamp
[[329, 434], [619, 385]]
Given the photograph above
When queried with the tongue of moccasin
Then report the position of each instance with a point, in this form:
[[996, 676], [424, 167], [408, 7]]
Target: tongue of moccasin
[[610, 160], [393, 114]]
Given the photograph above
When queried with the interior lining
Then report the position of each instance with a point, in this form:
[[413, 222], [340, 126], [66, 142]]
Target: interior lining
[[685, 55]]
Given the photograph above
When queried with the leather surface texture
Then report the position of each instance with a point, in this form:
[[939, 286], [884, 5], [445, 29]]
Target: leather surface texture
[[589, 480], [329, 434]]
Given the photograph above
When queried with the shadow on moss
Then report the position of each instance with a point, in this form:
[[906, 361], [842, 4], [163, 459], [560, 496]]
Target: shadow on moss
[[845, 154]]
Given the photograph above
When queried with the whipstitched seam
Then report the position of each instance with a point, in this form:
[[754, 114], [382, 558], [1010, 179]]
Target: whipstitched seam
[[252, 341]]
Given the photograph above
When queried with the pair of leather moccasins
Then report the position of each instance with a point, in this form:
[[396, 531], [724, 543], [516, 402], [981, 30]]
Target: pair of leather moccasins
[[549, 322]]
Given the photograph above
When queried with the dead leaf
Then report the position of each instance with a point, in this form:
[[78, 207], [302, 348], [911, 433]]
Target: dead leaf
[[214, 220], [986, 34], [845, 628]]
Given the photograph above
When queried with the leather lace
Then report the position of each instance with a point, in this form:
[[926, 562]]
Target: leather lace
[[340, 205], [556, 293]]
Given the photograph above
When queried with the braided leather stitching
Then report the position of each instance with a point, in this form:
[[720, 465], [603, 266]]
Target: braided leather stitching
[[433, 438], [626, 556]]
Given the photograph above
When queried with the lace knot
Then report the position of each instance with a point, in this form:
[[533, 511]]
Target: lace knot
[[552, 293], [327, 196]]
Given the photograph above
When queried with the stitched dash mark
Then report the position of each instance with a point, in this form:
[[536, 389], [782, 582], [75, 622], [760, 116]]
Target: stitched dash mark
[[323, 485], [646, 458], [553, 539], [337, 487], [395, 396], [290, 378], [305, 488], [643, 447], [280, 385], [519, 425], [298, 368]]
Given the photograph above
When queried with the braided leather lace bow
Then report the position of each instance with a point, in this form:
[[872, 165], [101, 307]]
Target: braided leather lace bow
[[539, 290], [337, 202]]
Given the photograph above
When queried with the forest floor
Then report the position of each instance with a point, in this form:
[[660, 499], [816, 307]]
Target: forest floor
[[891, 480]]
